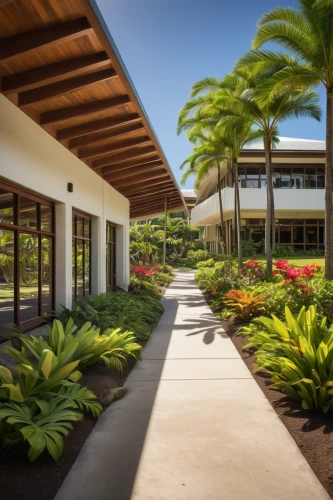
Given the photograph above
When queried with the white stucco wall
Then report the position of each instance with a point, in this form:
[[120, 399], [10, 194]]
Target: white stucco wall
[[33, 159], [295, 201]]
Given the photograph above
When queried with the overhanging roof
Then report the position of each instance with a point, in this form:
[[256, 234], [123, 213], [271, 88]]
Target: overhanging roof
[[60, 66]]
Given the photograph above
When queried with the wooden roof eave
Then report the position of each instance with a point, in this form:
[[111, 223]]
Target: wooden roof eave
[[65, 84]]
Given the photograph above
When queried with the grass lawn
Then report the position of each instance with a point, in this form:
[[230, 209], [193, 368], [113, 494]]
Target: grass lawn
[[302, 260]]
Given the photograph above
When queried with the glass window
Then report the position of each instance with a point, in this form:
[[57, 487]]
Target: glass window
[[276, 178], [46, 216], [285, 232], [26, 258], [29, 276], [110, 256], [321, 234], [285, 178], [81, 255], [252, 177], [310, 178], [298, 234], [320, 178], [7, 277], [47, 274], [6, 207], [28, 213], [311, 234], [241, 177], [297, 181]]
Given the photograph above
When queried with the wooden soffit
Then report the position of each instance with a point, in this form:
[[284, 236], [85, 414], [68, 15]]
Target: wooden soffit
[[60, 66]]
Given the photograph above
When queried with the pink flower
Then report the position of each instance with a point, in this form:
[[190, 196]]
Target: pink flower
[[275, 272], [251, 264], [282, 264], [292, 274], [307, 271]]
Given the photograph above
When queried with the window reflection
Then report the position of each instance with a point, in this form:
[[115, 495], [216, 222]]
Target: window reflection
[[28, 252], [28, 213], [6, 207], [7, 269], [282, 177], [46, 273]]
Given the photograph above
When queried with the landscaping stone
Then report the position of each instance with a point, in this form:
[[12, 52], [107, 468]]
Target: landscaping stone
[[110, 395]]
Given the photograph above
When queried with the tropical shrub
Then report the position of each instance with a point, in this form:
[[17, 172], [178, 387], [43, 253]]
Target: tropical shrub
[[243, 304], [206, 263], [136, 313], [253, 271], [43, 420], [163, 279], [248, 250], [85, 345], [284, 251], [299, 356], [195, 256]]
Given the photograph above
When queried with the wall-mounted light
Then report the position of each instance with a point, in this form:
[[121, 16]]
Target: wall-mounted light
[[70, 187]]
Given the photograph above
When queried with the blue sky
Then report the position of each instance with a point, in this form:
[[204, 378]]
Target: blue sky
[[167, 45]]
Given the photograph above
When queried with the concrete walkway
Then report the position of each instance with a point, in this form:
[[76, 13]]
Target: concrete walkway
[[194, 425]]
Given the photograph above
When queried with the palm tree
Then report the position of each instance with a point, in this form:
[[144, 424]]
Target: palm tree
[[307, 34], [239, 95], [209, 151]]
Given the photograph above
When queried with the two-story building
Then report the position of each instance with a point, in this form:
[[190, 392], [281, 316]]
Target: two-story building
[[298, 181]]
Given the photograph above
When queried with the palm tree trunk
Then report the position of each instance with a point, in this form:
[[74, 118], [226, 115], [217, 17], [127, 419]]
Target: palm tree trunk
[[270, 216], [238, 218], [220, 205], [328, 188]]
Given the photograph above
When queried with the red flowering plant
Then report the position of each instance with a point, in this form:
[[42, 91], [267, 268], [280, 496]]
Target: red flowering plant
[[299, 278], [253, 271], [143, 272]]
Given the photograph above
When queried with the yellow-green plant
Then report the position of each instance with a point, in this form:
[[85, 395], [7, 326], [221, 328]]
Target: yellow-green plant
[[84, 346], [299, 356], [245, 304]]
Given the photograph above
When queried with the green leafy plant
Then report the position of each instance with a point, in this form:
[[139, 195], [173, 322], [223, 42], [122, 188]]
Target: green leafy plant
[[84, 346], [136, 313], [44, 422], [245, 304], [298, 353], [206, 263], [195, 256], [284, 251]]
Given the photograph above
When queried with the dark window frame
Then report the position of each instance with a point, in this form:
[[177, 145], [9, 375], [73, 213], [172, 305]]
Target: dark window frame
[[17, 229], [75, 239], [111, 281]]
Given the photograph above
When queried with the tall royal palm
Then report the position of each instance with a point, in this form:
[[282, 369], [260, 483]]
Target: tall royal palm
[[307, 34], [208, 153]]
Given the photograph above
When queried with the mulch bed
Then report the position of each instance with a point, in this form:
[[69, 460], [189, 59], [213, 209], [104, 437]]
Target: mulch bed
[[312, 432]]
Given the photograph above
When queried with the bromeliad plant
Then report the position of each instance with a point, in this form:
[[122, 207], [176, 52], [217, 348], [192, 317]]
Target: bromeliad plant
[[298, 353], [84, 346], [245, 305]]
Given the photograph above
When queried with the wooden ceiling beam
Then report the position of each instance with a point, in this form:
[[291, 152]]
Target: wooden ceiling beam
[[129, 173], [119, 167], [102, 136], [85, 153], [94, 126], [64, 87], [88, 108], [51, 73], [157, 206], [140, 187], [150, 193], [15, 46], [137, 179], [118, 158]]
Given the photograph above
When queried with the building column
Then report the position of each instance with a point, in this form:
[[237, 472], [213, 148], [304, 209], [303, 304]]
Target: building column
[[63, 255], [98, 255]]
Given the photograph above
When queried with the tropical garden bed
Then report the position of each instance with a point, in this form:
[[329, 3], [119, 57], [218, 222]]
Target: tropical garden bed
[[26, 472], [288, 350]]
